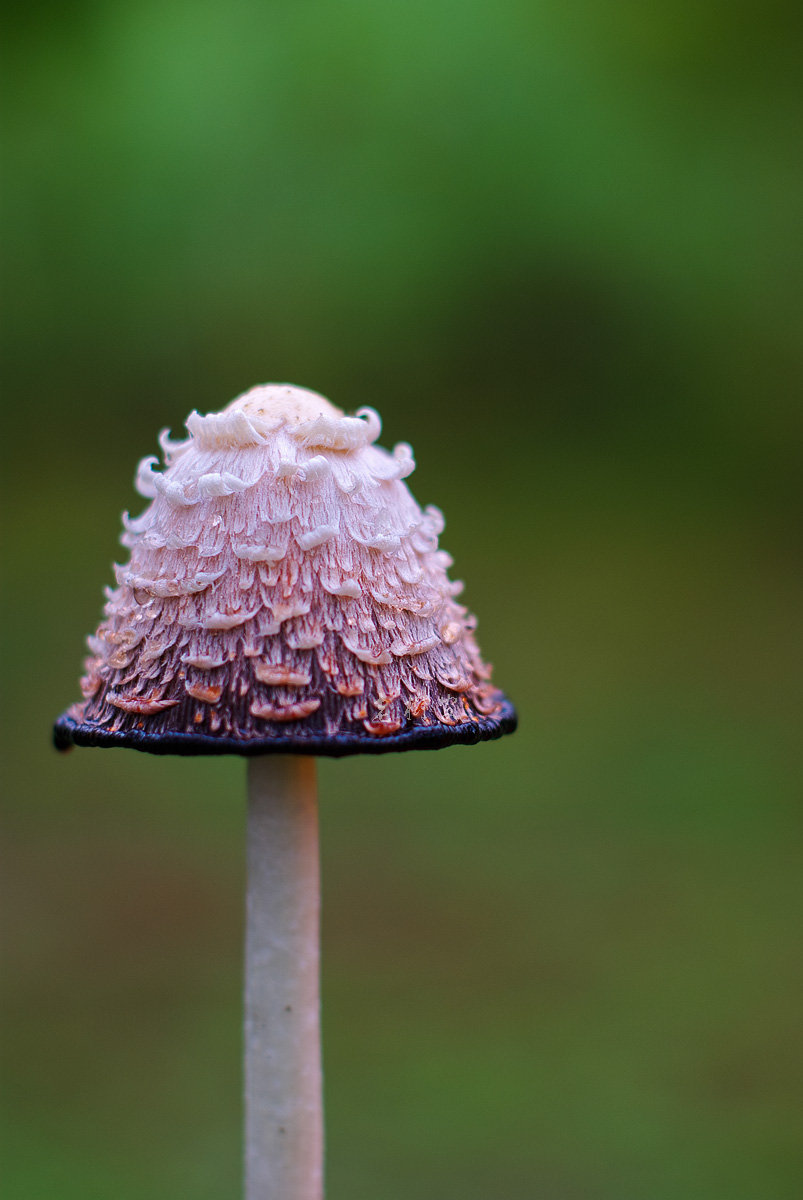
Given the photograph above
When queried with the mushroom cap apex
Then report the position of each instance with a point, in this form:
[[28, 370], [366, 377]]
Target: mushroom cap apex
[[283, 403]]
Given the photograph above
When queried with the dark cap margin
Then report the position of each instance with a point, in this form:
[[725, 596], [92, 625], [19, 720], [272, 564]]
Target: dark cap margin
[[67, 733]]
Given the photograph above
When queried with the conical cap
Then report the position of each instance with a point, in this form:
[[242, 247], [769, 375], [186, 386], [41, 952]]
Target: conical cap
[[284, 592]]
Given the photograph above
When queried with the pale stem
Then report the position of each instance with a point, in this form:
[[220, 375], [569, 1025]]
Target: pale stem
[[283, 1083]]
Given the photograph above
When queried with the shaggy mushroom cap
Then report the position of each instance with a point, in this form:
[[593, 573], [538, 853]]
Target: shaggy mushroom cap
[[284, 592]]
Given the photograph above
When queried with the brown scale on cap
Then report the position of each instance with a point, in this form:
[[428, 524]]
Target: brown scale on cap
[[284, 588]]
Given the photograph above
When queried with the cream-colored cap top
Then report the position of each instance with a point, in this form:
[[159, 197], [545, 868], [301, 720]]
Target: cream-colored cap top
[[283, 402]]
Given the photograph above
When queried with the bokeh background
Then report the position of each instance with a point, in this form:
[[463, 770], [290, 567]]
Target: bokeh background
[[558, 246]]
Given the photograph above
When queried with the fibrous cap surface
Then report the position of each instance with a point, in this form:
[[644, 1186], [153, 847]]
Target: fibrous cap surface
[[284, 591]]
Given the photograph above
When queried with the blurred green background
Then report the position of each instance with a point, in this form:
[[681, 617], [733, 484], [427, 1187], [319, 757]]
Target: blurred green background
[[558, 246]]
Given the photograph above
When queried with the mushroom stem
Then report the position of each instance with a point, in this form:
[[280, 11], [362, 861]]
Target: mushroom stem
[[283, 1083]]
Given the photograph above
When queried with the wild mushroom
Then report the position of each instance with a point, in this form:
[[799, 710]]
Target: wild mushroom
[[285, 594]]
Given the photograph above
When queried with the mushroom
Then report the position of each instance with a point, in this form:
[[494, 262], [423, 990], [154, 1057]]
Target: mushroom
[[285, 595]]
